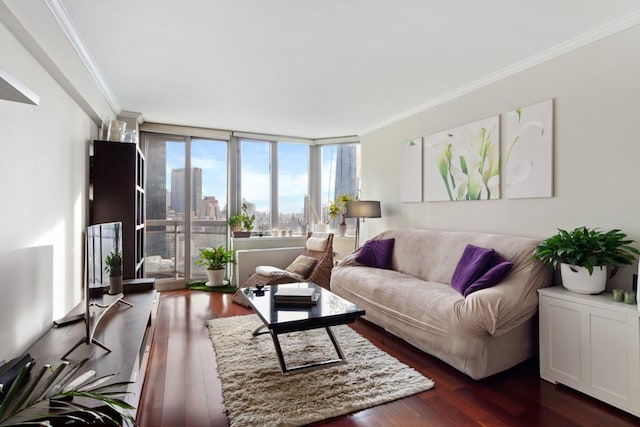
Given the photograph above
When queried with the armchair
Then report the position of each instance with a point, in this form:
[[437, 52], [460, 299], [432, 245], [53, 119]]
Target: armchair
[[314, 265], [318, 246]]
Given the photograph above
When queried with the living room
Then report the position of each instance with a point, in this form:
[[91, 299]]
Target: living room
[[592, 81]]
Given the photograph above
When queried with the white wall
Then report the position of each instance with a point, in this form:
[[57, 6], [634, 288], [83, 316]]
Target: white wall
[[597, 149], [43, 174]]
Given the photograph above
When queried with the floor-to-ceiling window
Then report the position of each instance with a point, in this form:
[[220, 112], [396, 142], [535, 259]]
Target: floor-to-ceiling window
[[186, 201], [193, 184], [274, 183], [340, 174], [293, 187]]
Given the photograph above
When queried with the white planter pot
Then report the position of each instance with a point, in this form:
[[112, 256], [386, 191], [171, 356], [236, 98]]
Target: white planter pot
[[115, 285], [216, 277], [580, 281]]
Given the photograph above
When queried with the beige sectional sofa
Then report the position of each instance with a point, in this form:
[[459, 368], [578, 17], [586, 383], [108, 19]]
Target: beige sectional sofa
[[487, 332]]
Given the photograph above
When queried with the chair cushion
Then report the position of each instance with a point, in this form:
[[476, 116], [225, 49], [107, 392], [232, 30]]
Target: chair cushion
[[267, 270], [317, 242], [302, 265], [376, 253]]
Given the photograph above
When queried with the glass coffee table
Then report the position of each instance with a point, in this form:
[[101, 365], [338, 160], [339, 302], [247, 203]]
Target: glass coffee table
[[329, 310]]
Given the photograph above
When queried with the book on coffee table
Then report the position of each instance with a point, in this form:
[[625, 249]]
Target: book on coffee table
[[296, 296]]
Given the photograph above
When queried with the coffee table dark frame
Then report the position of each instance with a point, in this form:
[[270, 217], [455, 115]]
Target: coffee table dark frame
[[278, 328]]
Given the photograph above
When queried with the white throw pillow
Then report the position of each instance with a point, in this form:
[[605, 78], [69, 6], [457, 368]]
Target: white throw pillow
[[267, 270], [317, 242]]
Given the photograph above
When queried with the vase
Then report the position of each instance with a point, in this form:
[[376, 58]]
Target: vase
[[577, 279], [115, 285], [342, 230], [216, 277]]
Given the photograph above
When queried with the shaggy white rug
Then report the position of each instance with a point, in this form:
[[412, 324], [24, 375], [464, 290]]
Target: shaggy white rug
[[256, 393]]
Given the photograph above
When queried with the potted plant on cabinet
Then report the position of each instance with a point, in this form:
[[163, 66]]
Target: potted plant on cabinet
[[215, 261], [584, 254], [113, 266], [338, 206], [242, 223]]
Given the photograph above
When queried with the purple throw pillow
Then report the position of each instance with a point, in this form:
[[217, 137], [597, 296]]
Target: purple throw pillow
[[376, 253], [472, 265], [479, 268], [492, 277]]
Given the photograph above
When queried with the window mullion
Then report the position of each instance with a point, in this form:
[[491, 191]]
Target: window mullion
[[273, 176]]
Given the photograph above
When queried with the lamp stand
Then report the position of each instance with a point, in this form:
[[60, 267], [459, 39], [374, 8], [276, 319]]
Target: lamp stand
[[357, 242]]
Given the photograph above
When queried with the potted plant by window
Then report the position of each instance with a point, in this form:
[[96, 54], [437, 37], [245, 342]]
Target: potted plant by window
[[584, 254], [242, 223], [215, 260], [338, 206], [113, 266]]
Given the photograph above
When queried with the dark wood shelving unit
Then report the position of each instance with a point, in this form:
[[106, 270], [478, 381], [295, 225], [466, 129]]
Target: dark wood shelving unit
[[126, 330], [118, 177]]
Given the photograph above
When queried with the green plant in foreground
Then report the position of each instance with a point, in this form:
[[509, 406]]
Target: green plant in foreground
[[588, 248], [38, 398]]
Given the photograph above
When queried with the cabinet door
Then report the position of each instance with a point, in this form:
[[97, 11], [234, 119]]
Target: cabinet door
[[560, 343], [591, 349], [608, 349]]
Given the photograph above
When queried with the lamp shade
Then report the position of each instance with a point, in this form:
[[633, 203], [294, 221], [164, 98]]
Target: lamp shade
[[363, 209]]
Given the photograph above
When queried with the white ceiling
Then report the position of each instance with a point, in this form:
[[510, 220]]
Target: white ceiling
[[318, 68]]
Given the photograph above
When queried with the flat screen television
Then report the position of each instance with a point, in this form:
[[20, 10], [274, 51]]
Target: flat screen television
[[102, 240]]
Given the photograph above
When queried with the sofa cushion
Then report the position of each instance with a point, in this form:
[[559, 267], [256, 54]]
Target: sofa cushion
[[376, 253]]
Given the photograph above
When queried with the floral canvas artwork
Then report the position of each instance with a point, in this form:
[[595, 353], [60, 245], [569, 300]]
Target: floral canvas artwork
[[529, 151], [463, 163], [411, 187]]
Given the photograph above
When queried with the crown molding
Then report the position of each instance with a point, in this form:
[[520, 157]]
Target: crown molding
[[62, 17], [570, 45]]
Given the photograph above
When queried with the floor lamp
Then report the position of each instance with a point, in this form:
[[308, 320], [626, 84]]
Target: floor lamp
[[362, 209]]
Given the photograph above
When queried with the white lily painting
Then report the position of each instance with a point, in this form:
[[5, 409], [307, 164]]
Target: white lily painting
[[529, 151], [463, 163]]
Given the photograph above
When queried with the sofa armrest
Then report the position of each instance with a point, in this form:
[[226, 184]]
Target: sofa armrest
[[248, 259], [509, 304]]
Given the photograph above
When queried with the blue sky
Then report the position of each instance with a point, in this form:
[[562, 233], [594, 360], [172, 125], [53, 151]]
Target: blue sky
[[211, 156]]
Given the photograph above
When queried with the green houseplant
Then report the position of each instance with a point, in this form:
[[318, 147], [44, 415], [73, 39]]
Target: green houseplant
[[215, 260], [338, 206], [113, 266], [583, 254], [242, 224]]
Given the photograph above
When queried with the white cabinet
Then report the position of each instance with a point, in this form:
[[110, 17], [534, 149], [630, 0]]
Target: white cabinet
[[591, 343]]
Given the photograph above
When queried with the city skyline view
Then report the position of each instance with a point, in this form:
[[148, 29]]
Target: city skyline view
[[293, 172]]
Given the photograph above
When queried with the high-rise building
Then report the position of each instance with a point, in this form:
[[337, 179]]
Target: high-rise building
[[209, 208], [346, 179], [177, 189]]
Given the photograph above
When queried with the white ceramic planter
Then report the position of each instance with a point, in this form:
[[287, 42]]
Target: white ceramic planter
[[216, 277], [580, 281], [115, 285]]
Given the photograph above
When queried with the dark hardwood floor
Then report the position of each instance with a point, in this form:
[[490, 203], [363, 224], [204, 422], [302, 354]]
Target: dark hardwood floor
[[182, 388]]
